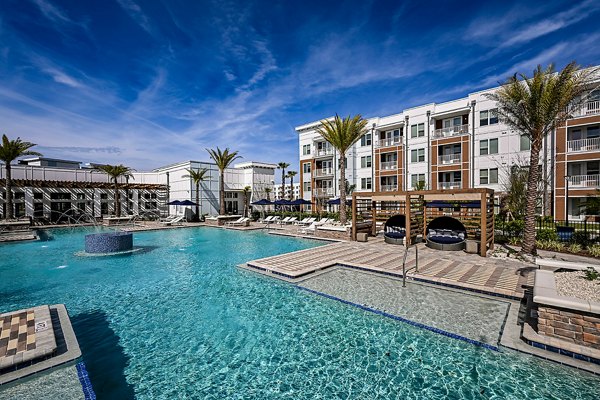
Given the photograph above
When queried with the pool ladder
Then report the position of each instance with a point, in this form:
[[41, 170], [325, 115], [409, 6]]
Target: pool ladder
[[416, 267]]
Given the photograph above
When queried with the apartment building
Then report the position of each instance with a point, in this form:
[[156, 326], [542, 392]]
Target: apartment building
[[295, 193], [458, 144], [49, 188]]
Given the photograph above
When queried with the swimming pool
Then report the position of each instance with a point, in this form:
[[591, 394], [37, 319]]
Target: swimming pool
[[180, 320]]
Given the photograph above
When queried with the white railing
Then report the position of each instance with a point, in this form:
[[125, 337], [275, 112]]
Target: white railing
[[587, 108], [583, 144], [389, 164], [449, 158], [587, 181], [318, 173], [449, 185], [393, 141], [389, 188], [324, 152], [324, 192], [451, 131]]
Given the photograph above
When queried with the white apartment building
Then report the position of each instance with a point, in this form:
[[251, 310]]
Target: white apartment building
[[295, 194], [453, 145], [48, 188]]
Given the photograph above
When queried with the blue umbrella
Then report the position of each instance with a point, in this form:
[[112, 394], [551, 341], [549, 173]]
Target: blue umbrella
[[187, 203], [283, 202], [299, 202], [336, 202], [262, 202], [174, 203]]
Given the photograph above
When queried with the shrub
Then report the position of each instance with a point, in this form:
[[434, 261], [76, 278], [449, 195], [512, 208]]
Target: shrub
[[594, 250], [591, 274], [574, 248], [547, 234], [515, 228], [581, 238], [514, 241], [551, 245]]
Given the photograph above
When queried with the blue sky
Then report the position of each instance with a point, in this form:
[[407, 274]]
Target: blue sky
[[148, 83]]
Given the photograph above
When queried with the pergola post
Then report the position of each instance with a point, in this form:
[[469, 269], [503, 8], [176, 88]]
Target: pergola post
[[483, 214], [374, 215], [407, 219], [354, 216]]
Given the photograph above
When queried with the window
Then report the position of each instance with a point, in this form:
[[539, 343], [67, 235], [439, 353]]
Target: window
[[306, 186], [488, 176], [415, 179], [593, 131], [365, 162], [488, 146], [365, 183], [365, 140], [417, 130], [306, 149], [525, 143], [38, 196], [306, 168], [488, 117], [417, 155]]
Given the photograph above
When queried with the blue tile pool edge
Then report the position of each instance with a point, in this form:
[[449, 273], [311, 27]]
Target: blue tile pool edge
[[84, 379], [407, 321]]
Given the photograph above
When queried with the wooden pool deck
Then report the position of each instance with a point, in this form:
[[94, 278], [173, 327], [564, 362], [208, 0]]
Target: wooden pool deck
[[499, 276]]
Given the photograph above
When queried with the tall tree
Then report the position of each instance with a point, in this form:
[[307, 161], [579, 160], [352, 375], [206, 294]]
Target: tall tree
[[10, 150], [246, 193], [268, 191], [283, 165], [291, 175], [115, 172], [535, 107], [342, 134], [223, 159], [197, 176]]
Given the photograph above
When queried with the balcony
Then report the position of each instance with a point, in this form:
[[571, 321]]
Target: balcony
[[456, 130], [584, 181], [385, 165], [389, 188], [583, 144], [588, 108], [323, 192], [324, 152], [449, 158], [449, 185], [393, 141], [322, 172]]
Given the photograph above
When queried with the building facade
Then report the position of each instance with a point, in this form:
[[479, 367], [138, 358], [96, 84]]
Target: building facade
[[287, 194], [70, 188], [459, 144]]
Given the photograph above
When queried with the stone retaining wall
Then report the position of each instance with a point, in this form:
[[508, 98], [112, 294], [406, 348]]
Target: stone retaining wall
[[578, 327]]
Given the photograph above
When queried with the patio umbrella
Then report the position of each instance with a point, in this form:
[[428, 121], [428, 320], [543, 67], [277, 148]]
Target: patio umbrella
[[283, 202], [336, 202], [262, 202], [174, 203], [300, 202], [186, 203]]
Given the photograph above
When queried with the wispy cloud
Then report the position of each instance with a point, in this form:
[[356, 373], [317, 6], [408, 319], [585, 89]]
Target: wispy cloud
[[52, 12], [137, 14]]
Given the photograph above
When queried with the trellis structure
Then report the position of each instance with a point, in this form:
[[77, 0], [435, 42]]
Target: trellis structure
[[474, 208]]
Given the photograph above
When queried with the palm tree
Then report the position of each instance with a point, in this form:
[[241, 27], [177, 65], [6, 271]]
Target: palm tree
[[291, 175], [223, 159], [534, 107], [268, 191], [197, 176], [342, 134], [283, 165], [246, 193], [115, 172], [350, 187], [10, 150]]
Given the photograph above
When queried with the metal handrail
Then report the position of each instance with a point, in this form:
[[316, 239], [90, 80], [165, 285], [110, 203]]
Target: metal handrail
[[416, 267]]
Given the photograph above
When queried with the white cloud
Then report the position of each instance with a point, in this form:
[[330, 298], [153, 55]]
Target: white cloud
[[135, 12]]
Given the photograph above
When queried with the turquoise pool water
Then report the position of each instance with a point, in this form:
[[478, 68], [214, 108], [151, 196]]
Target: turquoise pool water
[[179, 320]]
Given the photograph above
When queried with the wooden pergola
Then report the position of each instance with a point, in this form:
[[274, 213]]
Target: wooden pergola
[[474, 208]]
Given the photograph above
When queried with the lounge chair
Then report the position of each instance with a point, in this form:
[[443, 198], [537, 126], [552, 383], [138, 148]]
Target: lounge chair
[[240, 222], [273, 220], [309, 230], [291, 220], [284, 221], [234, 222], [306, 221], [267, 219], [178, 220]]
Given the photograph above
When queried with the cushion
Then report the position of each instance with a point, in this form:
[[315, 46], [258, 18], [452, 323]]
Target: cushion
[[395, 235]]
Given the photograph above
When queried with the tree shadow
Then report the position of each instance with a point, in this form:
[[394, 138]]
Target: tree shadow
[[103, 356]]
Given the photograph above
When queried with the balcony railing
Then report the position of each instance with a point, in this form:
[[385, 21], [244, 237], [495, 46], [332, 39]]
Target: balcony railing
[[389, 188], [389, 164], [321, 172], [583, 144], [588, 108], [324, 152], [584, 181], [323, 192], [449, 185], [456, 130], [393, 141], [449, 158]]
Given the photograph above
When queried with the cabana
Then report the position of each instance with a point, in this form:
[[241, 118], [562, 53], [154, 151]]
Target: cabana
[[468, 214], [395, 229]]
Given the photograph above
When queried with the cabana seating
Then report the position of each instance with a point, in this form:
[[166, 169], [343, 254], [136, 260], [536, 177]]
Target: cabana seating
[[446, 233], [394, 231]]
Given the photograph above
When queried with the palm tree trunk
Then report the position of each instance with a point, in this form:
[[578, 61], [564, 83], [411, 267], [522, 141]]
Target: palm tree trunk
[[197, 202], [282, 183], [291, 188], [117, 200], [531, 199], [222, 193], [343, 188], [9, 195]]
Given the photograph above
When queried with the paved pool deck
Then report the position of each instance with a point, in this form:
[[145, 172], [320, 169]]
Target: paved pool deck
[[504, 277]]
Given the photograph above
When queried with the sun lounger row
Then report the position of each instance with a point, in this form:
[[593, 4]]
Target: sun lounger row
[[240, 222]]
